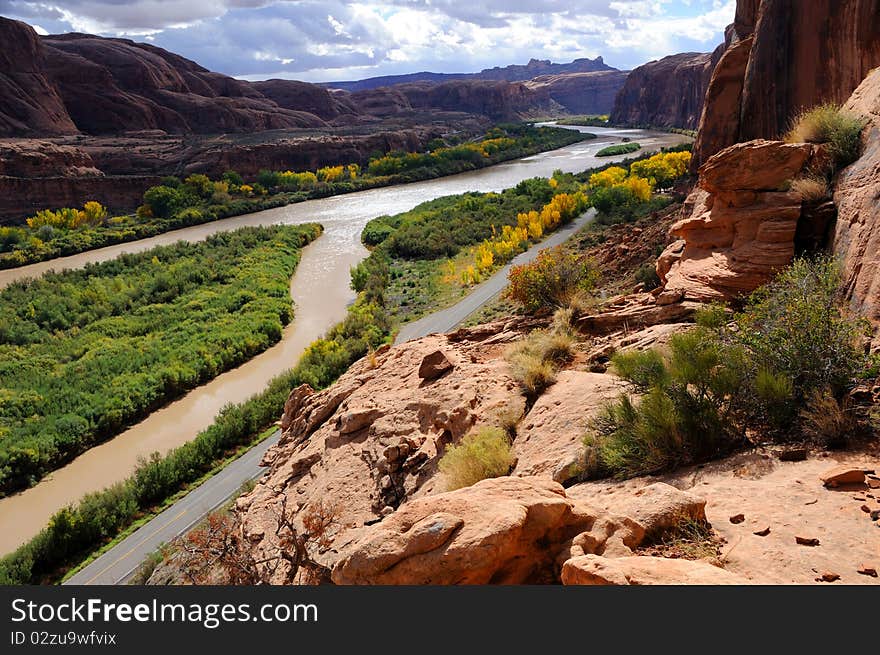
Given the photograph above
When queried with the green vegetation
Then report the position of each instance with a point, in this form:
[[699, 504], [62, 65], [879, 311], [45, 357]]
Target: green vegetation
[[555, 279], [585, 120], [76, 531], [619, 149], [784, 365], [481, 454], [839, 130], [85, 353], [535, 360], [436, 250], [179, 203]]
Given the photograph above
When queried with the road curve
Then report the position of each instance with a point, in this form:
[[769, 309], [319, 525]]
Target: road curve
[[447, 319], [119, 563]]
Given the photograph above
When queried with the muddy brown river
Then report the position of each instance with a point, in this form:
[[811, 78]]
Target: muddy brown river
[[320, 291]]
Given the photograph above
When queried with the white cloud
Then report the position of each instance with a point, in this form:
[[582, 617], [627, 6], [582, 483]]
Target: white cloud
[[319, 39]]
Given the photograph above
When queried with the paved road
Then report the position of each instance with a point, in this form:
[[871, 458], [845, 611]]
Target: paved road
[[447, 319], [120, 562]]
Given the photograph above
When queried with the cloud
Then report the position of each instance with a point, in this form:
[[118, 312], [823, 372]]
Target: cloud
[[333, 39]]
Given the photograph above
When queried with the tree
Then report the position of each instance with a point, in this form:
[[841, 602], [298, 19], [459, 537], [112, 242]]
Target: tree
[[217, 553], [162, 201]]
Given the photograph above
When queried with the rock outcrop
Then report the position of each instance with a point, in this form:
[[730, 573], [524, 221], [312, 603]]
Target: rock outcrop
[[373, 440], [739, 224], [29, 102], [581, 93], [499, 531], [644, 570], [786, 55], [549, 440], [666, 93], [857, 196]]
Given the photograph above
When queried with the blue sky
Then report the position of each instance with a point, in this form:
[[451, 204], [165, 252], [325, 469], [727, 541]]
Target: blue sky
[[341, 39]]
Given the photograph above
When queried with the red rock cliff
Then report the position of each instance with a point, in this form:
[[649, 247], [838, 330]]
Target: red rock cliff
[[667, 93], [786, 55]]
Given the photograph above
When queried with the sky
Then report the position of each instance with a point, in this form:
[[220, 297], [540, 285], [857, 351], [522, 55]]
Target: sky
[[327, 40]]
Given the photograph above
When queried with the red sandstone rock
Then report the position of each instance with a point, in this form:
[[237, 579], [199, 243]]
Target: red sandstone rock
[[667, 93], [499, 531], [29, 102], [738, 228], [857, 231], [644, 570], [802, 54], [581, 93]]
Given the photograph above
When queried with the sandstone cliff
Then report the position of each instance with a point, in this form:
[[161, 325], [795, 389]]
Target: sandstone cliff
[[666, 93], [29, 102], [857, 196], [581, 93], [787, 55]]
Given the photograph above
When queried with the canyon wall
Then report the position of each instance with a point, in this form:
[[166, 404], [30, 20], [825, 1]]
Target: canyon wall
[[666, 93], [788, 55]]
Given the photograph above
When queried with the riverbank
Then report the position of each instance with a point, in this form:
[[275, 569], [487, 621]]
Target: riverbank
[[177, 204], [321, 292]]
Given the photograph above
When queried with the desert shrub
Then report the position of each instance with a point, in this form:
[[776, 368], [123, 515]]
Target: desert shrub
[[535, 359], [810, 188], [556, 278], [481, 454], [793, 327], [840, 130], [162, 201], [646, 274], [685, 415], [619, 149], [828, 420]]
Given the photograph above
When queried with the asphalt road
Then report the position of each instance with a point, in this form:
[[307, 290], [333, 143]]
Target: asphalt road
[[119, 563], [447, 319]]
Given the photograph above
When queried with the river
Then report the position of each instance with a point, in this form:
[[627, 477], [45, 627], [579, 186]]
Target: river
[[320, 291]]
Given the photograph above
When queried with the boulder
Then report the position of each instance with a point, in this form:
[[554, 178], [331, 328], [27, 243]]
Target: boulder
[[655, 508], [549, 439], [434, 365], [499, 531], [844, 475], [643, 570]]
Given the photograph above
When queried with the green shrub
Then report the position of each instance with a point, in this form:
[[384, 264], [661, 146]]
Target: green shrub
[[619, 149], [646, 275], [840, 130], [481, 454], [686, 414], [793, 327], [535, 359]]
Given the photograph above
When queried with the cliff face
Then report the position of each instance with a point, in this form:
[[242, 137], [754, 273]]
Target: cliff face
[[29, 103], [114, 85], [667, 93], [581, 93], [788, 55], [857, 231]]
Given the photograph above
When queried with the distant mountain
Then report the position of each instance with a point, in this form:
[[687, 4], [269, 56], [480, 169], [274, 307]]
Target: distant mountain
[[512, 73]]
